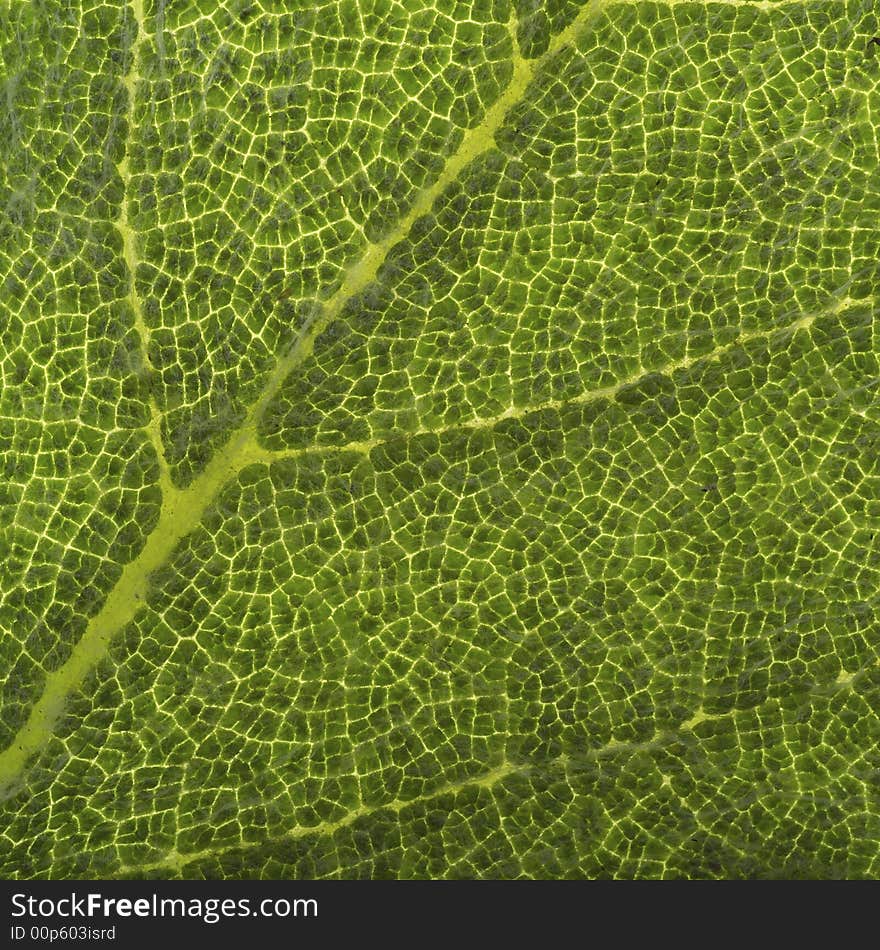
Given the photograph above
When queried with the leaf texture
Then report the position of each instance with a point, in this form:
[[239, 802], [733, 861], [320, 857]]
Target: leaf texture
[[439, 439]]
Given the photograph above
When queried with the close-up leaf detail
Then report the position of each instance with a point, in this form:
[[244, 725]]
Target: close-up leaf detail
[[439, 439]]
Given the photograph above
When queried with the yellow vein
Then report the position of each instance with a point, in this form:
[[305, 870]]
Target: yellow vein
[[129, 249], [475, 142], [175, 861], [182, 510], [364, 447], [513, 33]]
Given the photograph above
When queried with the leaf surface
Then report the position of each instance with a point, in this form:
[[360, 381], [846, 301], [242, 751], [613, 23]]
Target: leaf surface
[[439, 441]]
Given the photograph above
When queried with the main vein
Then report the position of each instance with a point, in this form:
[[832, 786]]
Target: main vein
[[182, 510]]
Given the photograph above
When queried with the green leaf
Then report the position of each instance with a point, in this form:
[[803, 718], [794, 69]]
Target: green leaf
[[439, 440]]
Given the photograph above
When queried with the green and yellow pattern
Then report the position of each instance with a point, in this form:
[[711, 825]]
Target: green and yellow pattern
[[439, 438]]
